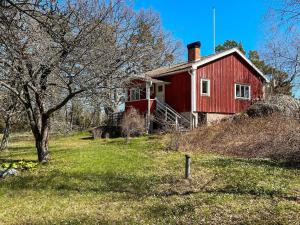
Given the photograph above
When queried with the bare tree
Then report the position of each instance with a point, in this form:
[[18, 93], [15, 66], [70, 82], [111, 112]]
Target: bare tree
[[56, 52], [10, 111], [289, 13], [282, 48], [283, 55]]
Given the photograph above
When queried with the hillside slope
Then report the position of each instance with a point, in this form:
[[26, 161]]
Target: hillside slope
[[275, 136]]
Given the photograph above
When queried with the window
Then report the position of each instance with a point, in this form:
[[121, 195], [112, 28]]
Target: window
[[152, 90], [160, 88], [205, 87], [242, 91], [134, 94]]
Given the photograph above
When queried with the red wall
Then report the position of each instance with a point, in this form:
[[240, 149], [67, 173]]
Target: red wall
[[178, 92], [140, 105], [223, 74]]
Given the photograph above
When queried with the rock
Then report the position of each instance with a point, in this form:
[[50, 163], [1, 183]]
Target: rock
[[8, 172], [283, 104]]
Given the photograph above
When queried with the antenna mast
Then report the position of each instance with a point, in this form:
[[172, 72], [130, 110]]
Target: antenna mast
[[214, 28]]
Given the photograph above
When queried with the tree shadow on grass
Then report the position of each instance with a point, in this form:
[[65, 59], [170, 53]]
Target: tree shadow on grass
[[20, 148], [226, 162], [79, 219], [67, 183], [4, 160], [132, 186], [87, 138], [169, 213], [253, 191]]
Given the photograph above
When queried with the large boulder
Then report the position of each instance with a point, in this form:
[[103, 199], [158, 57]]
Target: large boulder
[[283, 104]]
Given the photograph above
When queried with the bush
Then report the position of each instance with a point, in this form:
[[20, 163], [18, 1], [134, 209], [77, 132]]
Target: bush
[[132, 124], [96, 132]]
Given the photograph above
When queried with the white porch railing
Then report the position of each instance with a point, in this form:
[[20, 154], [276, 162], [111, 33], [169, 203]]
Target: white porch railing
[[171, 116]]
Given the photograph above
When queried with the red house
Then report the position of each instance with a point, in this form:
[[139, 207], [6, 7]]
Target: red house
[[203, 89]]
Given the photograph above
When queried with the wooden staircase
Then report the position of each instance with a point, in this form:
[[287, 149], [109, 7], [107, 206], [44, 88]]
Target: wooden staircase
[[168, 118]]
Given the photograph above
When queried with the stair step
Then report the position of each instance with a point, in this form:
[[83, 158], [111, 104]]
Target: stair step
[[165, 115]]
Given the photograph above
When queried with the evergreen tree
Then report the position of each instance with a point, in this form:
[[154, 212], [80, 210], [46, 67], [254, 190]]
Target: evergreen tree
[[279, 80], [229, 44]]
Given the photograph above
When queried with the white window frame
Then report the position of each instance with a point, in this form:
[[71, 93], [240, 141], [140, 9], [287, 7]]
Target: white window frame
[[208, 87], [245, 85], [131, 94]]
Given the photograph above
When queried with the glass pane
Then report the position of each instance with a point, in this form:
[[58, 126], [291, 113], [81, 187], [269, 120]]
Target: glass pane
[[160, 88], [237, 90], [247, 94], [242, 91], [152, 90], [131, 94], [137, 94], [204, 87], [134, 94]]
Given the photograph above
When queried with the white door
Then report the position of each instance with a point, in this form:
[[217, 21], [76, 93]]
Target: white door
[[160, 92]]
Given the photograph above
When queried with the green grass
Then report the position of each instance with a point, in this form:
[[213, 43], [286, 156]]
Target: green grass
[[109, 182]]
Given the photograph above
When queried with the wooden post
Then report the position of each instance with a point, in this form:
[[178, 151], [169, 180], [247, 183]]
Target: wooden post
[[187, 167], [148, 96], [176, 122]]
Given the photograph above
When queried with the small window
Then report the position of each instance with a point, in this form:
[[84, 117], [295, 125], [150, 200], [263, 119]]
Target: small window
[[205, 87], [134, 94], [242, 91], [152, 90], [160, 88]]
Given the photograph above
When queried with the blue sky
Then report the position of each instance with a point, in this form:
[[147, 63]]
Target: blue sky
[[192, 20]]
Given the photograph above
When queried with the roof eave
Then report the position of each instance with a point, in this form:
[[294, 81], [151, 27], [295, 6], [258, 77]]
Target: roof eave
[[171, 73]]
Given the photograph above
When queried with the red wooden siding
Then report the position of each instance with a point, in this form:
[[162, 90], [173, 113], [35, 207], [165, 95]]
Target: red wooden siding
[[140, 105], [223, 74], [178, 92]]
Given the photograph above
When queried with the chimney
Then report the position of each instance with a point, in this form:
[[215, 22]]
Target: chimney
[[194, 51]]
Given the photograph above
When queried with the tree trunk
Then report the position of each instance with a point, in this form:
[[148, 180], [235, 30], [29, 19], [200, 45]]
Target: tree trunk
[[6, 132], [71, 115], [41, 134]]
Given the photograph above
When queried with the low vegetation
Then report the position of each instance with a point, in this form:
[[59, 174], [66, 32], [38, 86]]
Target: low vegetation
[[104, 181], [274, 137], [132, 124]]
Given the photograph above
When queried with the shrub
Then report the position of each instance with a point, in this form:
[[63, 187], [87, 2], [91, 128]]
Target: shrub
[[96, 132], [132, 124]]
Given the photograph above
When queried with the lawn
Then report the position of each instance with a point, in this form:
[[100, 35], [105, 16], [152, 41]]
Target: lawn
[[110, 182]]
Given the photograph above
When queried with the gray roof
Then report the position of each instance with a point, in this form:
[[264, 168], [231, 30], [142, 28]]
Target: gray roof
[[185, 66], [166, 70]]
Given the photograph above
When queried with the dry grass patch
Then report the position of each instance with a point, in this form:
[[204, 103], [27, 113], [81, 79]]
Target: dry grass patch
[[276, 137]]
